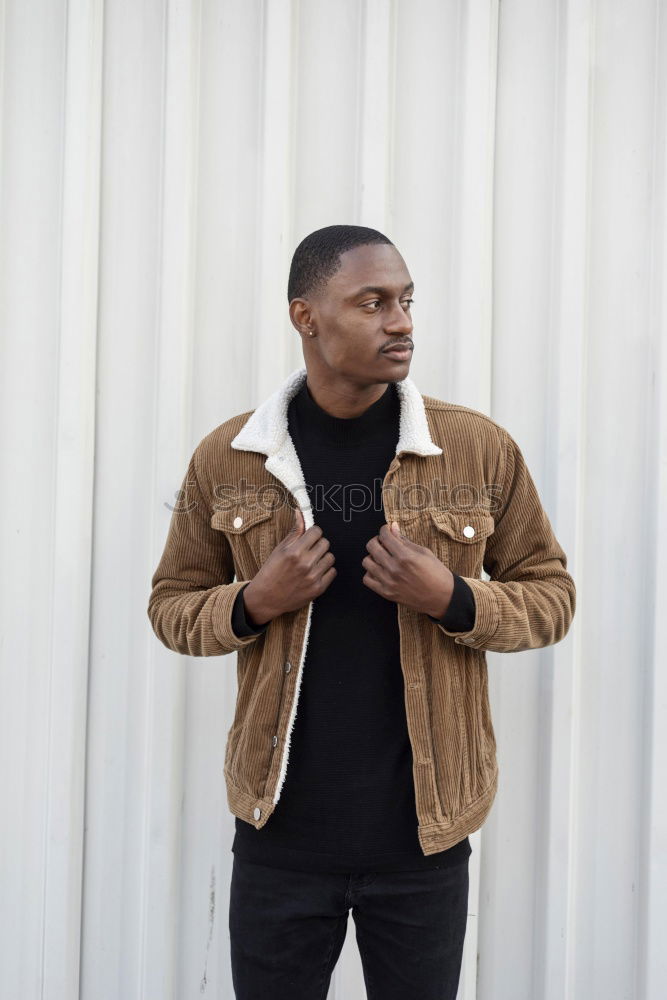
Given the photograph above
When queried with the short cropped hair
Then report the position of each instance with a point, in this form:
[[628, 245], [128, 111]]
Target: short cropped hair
[[317, 257]]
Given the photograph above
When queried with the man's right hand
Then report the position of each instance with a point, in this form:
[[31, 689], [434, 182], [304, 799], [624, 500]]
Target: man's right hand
[[299, 569]]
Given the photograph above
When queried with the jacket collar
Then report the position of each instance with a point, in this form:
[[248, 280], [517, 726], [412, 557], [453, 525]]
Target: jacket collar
[[266, 429], [266, 432]]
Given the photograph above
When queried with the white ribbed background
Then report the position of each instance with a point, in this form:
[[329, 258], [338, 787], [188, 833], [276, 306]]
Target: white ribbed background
[[159, 162]]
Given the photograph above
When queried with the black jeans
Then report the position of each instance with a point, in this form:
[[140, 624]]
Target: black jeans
[[287, 930]]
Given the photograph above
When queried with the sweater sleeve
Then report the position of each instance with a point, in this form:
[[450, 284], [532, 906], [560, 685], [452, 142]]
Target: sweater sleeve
[[530, 599], [240, 624], [192, 597], [460, 615]]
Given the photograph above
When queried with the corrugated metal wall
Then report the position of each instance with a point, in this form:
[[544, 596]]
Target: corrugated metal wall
[[159, 161]]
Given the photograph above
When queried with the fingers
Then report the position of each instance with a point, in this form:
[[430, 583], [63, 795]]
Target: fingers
[[324, 569], [391, 542], [310, 536], [327, 578], [321, 558], [378, 552], [327, 559], [373, 584]]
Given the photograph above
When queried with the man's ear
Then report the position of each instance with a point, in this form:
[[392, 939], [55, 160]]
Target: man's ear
[[300, 315]]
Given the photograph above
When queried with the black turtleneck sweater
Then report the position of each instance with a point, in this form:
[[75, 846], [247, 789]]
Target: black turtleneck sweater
[[348, 803]]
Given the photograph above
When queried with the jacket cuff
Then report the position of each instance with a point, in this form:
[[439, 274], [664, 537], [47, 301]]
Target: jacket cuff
[[240, 624], [460, 615], [487, 616], [221, 617]]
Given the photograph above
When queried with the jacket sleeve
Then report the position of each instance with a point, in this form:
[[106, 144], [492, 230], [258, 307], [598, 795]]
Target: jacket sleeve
[[192, 597], [529, 600]]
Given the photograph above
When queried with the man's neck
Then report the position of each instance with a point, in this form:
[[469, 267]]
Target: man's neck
[[344, 399]]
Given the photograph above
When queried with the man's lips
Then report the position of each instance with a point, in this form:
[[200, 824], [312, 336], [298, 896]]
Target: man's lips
[[398, 349]]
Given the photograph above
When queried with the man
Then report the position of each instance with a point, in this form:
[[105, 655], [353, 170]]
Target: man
[[357, 516]]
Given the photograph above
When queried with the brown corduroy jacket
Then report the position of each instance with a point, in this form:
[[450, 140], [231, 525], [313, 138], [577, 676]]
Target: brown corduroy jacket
[[457, 484]]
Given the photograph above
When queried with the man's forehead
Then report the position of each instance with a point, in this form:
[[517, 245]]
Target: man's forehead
[[379, 264]]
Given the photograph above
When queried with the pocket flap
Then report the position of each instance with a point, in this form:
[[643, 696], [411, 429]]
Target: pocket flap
[[239, 518], [467, 528]]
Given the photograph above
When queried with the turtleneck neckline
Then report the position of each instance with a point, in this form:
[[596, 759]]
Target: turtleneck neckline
[[377, 419]]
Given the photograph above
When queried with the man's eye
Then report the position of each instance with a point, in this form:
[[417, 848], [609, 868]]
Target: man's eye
[[406, 303]]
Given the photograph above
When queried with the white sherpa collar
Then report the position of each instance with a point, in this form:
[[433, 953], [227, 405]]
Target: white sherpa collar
[[266, 431]]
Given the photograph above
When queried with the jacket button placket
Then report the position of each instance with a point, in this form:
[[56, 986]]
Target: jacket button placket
[[428, 803], [424, 757]]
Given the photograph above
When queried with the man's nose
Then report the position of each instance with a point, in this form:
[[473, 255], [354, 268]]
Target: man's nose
[[399, 321]]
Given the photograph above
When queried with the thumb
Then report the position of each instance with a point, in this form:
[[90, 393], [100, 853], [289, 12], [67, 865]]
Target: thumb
[[396, 531], [299, 523]]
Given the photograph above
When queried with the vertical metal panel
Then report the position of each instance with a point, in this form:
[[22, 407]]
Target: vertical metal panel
[[72, 501], [49, 176], [275, 338], [651, 970], [119, 772], [167, 922], [424, 168], [328, 60], [618, 479], [523, 239], [560, 717], [159, 161], [376, 147]]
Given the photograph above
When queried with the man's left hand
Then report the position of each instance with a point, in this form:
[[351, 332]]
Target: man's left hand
[[402, 571]]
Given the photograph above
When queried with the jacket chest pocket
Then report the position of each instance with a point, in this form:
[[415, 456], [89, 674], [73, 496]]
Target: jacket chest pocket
[[250, 533], [460, 539]]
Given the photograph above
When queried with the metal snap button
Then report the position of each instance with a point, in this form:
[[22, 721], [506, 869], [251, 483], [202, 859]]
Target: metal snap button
[[274, 741], [238, 521], [288, 667], [257, 812], [468, 531]]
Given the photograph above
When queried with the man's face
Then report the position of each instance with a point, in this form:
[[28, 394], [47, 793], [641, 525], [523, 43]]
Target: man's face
[[364, 308]]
